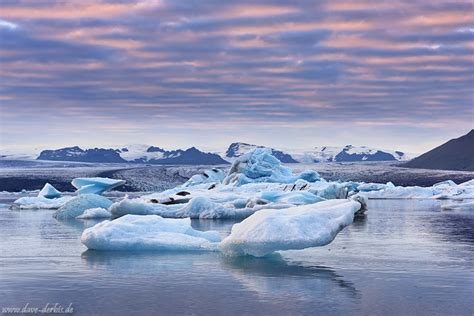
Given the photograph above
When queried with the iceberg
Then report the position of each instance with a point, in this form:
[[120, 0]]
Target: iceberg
[[208, 176], [296, 227], [95, 185], [40, 202], [97, 212], [259, 165], [367, 187], [148, 233], [49, 192], [77, 205]]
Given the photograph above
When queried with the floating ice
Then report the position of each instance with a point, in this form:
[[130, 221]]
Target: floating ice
[[443, 190], [148, 233], [208, 176], [466, 206], [49, 192], [40, 202], [96, 212], [260, 165], [79, 204], [296, 227], [95, 185], [366, 187]]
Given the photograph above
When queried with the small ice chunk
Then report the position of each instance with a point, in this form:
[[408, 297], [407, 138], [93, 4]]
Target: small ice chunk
[[95, 185], [79, 204], [367, 187], [97, 212], [208, 176], [148, 233], [295, 197], [296, 227], [49, 192]]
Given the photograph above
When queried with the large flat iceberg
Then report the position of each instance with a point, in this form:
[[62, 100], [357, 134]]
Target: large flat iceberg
[[40, 202], [148, 233], [296, 227], [95, 185]]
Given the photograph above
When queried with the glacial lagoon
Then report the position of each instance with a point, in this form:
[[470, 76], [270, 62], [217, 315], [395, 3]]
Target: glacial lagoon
[[401, 257]]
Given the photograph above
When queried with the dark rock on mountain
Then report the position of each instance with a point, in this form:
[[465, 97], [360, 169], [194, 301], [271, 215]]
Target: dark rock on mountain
[[456, 154], [190, 156], [77, 154]]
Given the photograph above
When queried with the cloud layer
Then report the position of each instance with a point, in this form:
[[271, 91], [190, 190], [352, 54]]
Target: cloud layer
[[288, 73]]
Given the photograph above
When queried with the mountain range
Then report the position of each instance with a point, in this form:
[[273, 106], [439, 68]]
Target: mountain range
[[156, 155], [134, 154]]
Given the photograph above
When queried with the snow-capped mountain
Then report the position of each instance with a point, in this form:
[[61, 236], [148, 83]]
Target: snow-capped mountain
[[133, 154], [78, 154], [349, 153], [238, 149]]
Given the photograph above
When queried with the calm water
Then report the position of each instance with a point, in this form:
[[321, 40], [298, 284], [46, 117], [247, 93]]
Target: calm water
[[403, 257]]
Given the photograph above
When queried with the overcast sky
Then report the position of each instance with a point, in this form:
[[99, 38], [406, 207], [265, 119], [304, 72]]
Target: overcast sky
[[291, 74]]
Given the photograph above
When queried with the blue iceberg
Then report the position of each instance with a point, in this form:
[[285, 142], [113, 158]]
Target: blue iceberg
[[49, 192], [77, 205], [95, 185]]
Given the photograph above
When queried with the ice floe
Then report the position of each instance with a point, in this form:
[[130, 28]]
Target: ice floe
[[77, 205], [92, 213], [40, 202], [49, 192], [296, 227], [148, 233], [95, 185], [442, 191], [461, 206]]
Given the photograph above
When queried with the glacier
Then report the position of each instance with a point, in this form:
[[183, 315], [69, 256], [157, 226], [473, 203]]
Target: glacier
[[95, 185], [148, 233]]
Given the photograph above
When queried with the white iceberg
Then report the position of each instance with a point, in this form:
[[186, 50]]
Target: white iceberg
[[367, 187], [77, 205], [465, 206], [296, 227], [148, 233], [97, 212], [49, 192], [95, 185], [40, 202]]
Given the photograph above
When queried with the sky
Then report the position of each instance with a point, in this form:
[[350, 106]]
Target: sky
[[288, 74]]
